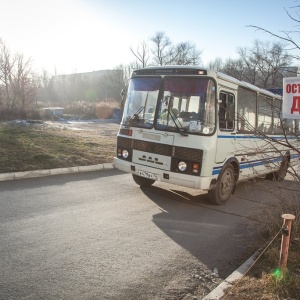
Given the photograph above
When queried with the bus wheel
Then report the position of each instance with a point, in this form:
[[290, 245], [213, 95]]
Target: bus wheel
[[281, 173], [141, 181], [224, 186]]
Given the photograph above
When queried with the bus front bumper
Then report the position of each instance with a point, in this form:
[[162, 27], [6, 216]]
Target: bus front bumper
[[196, 182]]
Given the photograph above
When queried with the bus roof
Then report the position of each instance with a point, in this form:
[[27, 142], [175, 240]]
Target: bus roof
[[198, 70], [246, 85]]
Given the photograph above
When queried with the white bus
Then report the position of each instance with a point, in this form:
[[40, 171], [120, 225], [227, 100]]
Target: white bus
[[201, 129]]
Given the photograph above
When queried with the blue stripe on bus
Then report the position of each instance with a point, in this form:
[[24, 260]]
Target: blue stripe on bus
[[253, 137], [255, 163]]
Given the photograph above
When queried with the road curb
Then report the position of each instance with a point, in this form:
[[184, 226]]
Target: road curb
[[219, 291], [58, 171]]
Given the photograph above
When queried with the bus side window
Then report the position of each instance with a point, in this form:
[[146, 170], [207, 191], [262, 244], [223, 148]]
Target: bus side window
[[264, 114], [226, 111]]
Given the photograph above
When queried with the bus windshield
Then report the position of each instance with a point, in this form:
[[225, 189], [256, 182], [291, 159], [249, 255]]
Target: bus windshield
[[141, 102], [192, 100], [171, 103]]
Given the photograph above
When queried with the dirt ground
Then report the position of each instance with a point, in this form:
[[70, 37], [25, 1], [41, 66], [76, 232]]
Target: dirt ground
[[100, 137], [36, 145]]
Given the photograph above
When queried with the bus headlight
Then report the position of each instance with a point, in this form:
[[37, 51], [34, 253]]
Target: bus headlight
[[125, 154], [182, 166], [205, 130]]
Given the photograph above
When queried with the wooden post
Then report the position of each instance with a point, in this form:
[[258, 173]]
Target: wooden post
[[285, 241]]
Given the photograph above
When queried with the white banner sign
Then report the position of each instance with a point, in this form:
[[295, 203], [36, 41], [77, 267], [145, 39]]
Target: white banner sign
[[291, 98]]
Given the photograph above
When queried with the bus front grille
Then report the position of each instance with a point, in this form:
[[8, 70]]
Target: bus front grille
[[124, 142], [188, 153], [161, 149], [151, 147], [177, 154]]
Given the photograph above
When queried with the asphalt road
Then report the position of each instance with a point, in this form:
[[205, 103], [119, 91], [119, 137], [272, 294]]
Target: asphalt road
[[99, 236]]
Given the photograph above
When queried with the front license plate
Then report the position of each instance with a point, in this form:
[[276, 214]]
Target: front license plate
[[148, 175]]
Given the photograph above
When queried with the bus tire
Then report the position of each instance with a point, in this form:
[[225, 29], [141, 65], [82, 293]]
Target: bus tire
[[270, 176], [141, 181], [281, 173], [224, 187]]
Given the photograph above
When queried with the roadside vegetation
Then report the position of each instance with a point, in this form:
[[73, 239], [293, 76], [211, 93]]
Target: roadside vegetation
[[264, 279], [45, 145]]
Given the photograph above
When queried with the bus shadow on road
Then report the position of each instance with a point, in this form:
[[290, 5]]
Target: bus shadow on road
[[215, 238], [218, 236], [178, 195]]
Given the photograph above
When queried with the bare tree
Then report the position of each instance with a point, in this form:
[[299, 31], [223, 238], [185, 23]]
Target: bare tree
[[263, 65], [46, 93], [234, 68], [278, 59], [114, 81], [185, 54], [24, 83], [163, 52], [141, 54], [19, 84], [287, 36], [6, 67], [216, 64]]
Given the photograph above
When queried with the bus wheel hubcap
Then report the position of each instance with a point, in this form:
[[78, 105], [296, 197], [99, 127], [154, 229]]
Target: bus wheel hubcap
[[226, 184]]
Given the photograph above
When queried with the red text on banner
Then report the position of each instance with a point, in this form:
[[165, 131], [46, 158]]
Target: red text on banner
[[296, 105]]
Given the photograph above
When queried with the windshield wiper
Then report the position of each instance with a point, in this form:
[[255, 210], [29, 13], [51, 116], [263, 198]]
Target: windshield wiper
[[179, 126], [135, 117]]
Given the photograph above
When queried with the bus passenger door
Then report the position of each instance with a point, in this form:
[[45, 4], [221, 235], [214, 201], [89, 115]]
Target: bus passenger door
[[226, 126]]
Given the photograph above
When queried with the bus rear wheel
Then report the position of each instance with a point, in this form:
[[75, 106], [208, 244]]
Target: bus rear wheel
[[224, 186], [141, 181], [281, 173]]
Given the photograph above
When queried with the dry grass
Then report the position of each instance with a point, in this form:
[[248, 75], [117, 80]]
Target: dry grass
[[264, 280], [45, 146]]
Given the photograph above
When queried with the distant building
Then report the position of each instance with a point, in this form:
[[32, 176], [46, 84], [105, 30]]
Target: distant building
[[87, 76], [90, 86]]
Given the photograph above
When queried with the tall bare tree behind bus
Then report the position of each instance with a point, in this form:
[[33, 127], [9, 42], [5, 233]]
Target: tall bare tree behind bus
[[18, 83], [161, 51]]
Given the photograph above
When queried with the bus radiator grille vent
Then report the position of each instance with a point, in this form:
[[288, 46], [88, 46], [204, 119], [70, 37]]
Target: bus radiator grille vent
[[124, 142], [189, 154], [150, 147]]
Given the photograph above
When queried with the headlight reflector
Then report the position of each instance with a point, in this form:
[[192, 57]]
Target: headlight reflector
[[125, 154], [182, 166]]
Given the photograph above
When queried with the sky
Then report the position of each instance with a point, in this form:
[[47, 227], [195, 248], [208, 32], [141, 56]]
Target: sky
[[76, 36]]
